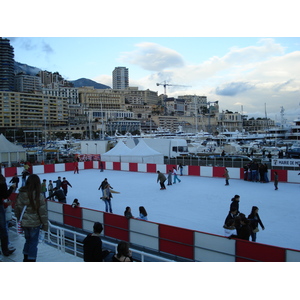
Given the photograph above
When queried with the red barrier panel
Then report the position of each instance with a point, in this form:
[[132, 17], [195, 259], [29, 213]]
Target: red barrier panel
[[133, 167], [12, 198], [259, 252], [282, 175], [49, 168], [194, 170], [151, 168], [72, 216], [88, 165], [10, 172], [116, 226], [218, 171], [242, 171], [69, 167], [116, 166], [177, 241]]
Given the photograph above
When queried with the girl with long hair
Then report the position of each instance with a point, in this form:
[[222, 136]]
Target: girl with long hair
[[35, 217]]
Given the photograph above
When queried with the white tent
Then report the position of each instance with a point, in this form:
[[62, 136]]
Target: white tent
[[10, 152], [115, 153], [142, 153]]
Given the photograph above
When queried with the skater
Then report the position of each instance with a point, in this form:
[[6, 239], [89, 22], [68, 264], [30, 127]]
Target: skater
[[235, 203], [35, 216], [226, 175], [25, 173], [124, 254], [254, 221], [58, 182], [276, 180], [107, 198], [170, 177], [231, 216], [75, 203], [180, 167], [76, 170], [101, 166], [4, 194], [103, 185], [44, 188], [59, 194], [161, 178], [15, 180], [50, 188], [92, 245], [127, 213], [64, 185], [229, 228], [143, 214], [175, 176], [244, 231]]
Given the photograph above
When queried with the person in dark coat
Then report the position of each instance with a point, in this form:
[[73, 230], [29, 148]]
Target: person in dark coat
[[231, 216], [161, 178], [244, 231], [4, 194], [15, 180], [254, 221], [59, 194], [92, 245], [64, 185], [235, 203], [58, 182]]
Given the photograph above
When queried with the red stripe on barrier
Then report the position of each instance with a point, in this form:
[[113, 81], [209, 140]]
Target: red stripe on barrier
[[151, 168], [133, 167], [10, 172], [88, 165], [69, 166], [116, 226], [116, 166], [49, 168], [260, 252], [72, 216], [12, 198], [177, 241], [218, 171], [242, 173], [282, 175], [194, 170]]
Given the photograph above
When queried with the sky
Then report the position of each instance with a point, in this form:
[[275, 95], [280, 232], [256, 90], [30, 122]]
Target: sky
[[253, 68]]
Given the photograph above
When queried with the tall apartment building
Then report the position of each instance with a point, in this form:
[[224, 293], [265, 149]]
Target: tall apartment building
[[32, 111], [194, 104], [27, 83], [6, 65], [120, 78]]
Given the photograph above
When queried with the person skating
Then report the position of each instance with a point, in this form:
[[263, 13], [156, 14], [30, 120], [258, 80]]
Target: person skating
[[175, 177], [107, 198], [226, 175], [170, 177], [276, 180], [235, 202], [254, 221], [161, 178], [59, 194], [57, 182], [64, 185]]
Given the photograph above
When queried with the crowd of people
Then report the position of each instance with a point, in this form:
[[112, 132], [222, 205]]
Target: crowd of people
[[237, 225]]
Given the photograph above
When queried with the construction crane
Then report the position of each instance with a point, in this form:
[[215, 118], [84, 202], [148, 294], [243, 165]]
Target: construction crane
[[165, 84]]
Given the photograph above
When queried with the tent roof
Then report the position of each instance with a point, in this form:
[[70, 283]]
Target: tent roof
[[119, 149], [142, 149], [7, 146]]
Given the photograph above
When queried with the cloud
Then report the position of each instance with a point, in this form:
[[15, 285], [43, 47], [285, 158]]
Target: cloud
[[153, 57], [233, 88], [47, 48]]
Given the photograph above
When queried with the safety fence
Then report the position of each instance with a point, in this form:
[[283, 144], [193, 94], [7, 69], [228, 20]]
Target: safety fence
[[290, 176], [162, 239], [180, 242]]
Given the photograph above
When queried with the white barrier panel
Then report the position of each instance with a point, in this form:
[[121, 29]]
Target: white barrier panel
[[38, 169], [213, 243], [19, 170], [124, 166], [89, 217], [161, 168], [81, 165], [234, 173], [95, 164], [55, 212], [142, 168], [293, 177], [206, 171], [59, 167], [144, 233], [109, 165], [292, 256]]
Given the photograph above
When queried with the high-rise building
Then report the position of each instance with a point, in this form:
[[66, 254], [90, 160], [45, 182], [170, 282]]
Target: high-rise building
[[6, 65], [120, 78]]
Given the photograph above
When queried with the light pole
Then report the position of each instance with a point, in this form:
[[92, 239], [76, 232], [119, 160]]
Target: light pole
[[96, 147], [87, 148]]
